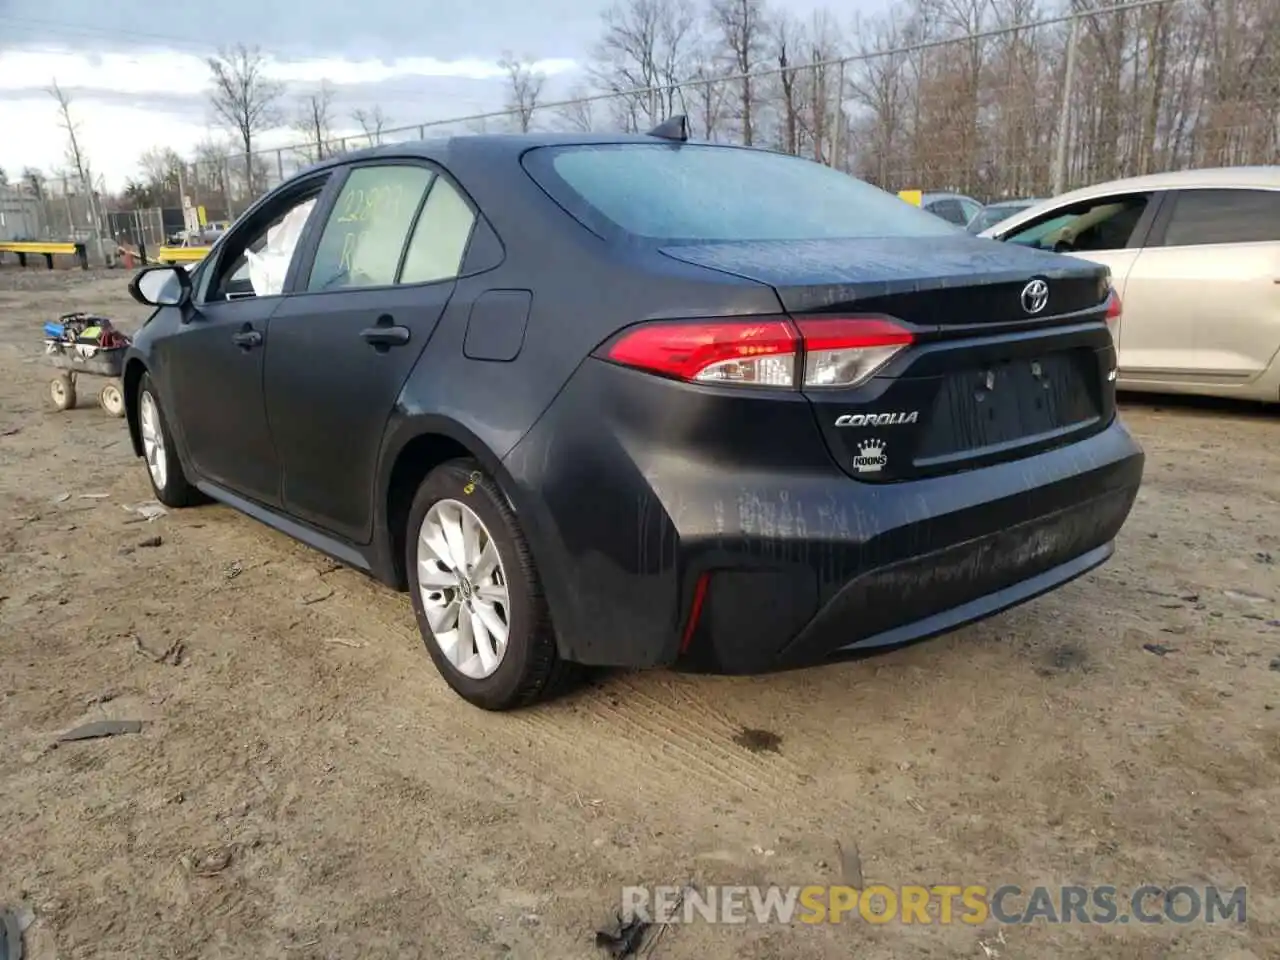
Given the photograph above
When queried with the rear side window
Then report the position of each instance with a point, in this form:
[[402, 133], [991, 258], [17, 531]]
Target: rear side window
[[368, 227], [1223, 216], [440, 238], [695, 192]]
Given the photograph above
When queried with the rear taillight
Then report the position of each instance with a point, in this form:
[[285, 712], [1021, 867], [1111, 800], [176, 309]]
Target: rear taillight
[[845, 353], [757, 352], [1115, 310], [814, 351]]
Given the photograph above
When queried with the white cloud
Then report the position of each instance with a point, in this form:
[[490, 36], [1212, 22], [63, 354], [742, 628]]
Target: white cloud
[[115, 135], [183, 73]]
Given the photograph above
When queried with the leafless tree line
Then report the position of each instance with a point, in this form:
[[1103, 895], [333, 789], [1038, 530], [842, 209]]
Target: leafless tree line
[[953, 94], [969, 95]]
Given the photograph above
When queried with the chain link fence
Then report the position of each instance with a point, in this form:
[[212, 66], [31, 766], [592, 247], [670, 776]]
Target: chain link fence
[[1014, 109]]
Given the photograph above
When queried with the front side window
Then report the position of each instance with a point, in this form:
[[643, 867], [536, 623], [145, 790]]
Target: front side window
[[254, 261], [706, 193], [1223, 216], [368, 226], [1093, 225]]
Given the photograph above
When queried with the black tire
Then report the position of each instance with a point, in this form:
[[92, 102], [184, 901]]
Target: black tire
[[177, 491], [531, 669]]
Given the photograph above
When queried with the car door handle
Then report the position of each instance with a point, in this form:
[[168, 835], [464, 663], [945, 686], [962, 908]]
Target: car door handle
[[385, 335], [247, 339]]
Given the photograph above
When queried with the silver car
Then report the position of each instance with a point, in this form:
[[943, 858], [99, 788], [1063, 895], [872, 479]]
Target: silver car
[[1195, 259]]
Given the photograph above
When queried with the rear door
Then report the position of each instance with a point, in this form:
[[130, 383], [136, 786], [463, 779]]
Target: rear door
[[1203, 297], [366, 301]]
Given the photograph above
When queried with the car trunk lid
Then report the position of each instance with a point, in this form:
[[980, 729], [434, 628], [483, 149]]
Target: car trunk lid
[[1010, 354]]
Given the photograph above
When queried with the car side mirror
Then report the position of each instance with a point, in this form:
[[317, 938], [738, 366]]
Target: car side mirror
[[161, 286]]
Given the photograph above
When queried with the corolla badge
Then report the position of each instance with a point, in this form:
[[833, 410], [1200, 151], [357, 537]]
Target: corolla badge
[[877, 419], [1035, 296]]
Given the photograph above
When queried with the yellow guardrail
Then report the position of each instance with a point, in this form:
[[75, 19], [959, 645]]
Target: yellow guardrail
[[181, 254], [46, 249]]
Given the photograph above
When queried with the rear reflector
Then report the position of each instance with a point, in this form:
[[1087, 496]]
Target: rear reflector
[[831, 351], [1115, 310]]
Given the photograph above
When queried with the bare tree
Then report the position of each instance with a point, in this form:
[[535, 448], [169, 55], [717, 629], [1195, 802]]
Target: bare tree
[[35, 181], [78, 161], [244, 98], [372, 122], [212, 171], [524, 88], [578, 115], [648, 46], [4, 177], [742, 27], [313, 121]]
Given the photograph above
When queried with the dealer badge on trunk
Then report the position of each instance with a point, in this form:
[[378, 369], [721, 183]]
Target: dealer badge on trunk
[[870, 458]]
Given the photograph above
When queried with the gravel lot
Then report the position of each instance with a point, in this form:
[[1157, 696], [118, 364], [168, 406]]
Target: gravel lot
[[305, 786]]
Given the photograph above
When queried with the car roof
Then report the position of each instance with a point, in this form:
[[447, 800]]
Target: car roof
[[440, 149], [1260, 176], [944, 195]]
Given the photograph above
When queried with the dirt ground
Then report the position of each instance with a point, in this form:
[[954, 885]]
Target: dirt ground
[[305, 786]]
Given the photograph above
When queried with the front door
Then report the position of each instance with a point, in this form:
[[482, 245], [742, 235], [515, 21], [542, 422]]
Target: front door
[[214, 363], [343, 344]]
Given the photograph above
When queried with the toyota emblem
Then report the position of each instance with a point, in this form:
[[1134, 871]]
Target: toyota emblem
[[1035, 296]]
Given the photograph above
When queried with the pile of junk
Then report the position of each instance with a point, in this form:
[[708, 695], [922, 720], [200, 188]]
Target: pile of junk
[[84, 343]]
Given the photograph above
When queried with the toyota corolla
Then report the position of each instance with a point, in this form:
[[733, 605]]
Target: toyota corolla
[[638, 401]]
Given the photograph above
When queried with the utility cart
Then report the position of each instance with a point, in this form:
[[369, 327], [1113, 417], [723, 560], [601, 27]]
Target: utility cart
[[83, 343]]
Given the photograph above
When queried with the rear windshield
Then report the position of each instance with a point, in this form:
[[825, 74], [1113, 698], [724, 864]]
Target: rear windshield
[[702, 193]]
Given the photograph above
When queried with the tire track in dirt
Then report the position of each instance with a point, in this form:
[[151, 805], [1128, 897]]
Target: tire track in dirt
[[581, 741]]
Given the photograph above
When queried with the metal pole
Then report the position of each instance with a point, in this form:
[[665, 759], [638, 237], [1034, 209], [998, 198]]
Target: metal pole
[[1064, 116], [837, 134]]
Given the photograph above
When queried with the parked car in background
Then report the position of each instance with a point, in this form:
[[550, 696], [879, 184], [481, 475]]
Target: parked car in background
[[994, 213], [953, 207], [1195, 258], [633, 401]]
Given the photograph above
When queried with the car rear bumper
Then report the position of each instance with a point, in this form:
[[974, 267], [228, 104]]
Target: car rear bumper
[[787, 560]]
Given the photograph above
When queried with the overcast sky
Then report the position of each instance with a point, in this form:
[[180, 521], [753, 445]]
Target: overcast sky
[[137, 76]]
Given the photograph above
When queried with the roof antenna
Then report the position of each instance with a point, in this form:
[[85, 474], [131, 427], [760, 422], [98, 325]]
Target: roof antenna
[[673, 128]]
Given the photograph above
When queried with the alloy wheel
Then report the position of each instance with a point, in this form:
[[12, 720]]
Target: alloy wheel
[[464, 588]]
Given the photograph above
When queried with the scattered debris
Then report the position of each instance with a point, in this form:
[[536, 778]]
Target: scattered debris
[[10, 935], [61, 498], [1159, 649], [171, 654], [234, 570], [762, 852], [1275, 664], [101, 728], [151, 541], [100, 698], [626, 941], [148, 510], [850, 865], [209, 862], [1263, 557], [916, 803], [989, 946], [94, 496], [1248, 596], [316, 596], [345, 642], [11, 432], [758, 741]]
